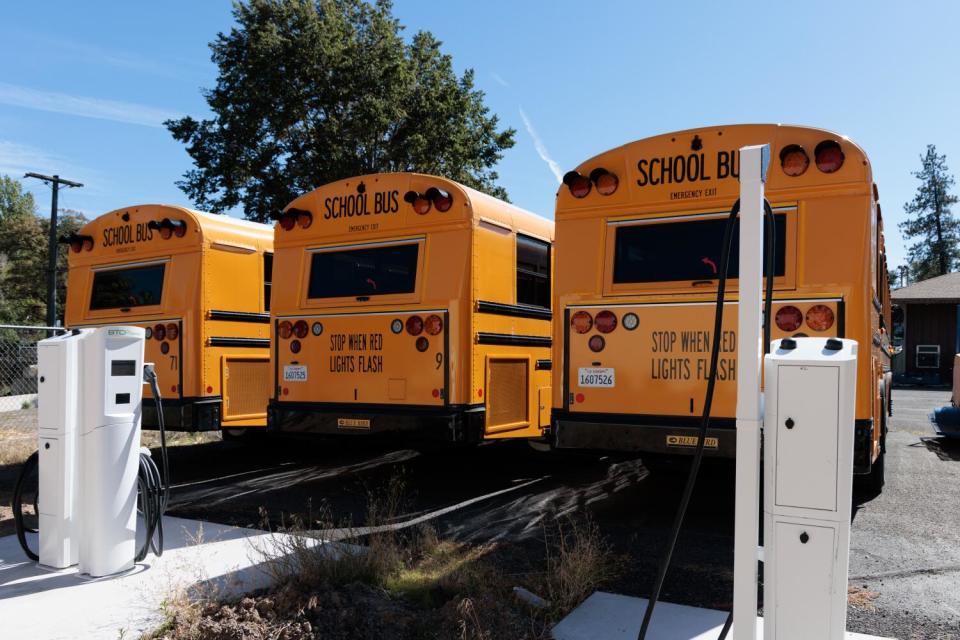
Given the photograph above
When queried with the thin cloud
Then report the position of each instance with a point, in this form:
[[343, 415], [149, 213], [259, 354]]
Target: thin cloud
[[17, 159], [499, 79], [83, 106], [541, 148]]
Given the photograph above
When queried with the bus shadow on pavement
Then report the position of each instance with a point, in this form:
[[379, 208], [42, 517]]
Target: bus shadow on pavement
[[947, 449]]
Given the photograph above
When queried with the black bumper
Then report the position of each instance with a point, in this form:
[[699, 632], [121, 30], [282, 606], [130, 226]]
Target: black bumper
[[648, 434], [454, 423], [186, 414]]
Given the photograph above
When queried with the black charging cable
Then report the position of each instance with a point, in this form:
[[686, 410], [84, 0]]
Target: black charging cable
[[154, 489], [708, 399]]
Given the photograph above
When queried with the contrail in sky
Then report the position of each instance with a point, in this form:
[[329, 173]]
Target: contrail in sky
[[84, 106], [541, 149]]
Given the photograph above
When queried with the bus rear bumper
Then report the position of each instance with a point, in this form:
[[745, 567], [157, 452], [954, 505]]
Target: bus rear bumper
[[604, 432], [183, 414], [442, 424]]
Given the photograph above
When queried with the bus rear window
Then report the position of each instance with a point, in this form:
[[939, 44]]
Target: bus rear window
[[361, 272], [683, 251], [127, 288]]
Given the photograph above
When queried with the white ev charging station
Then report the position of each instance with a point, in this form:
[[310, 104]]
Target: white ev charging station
[[807, 414], [90, 393]]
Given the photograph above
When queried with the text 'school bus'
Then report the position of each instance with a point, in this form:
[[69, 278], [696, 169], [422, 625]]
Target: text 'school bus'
[[638, 240], [200, 284], [410, 305]]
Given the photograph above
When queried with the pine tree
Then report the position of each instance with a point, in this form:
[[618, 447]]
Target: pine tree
[[937, 250], [312, 91]]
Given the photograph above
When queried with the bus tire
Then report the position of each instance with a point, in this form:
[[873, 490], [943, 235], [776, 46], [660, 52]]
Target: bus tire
[[874, 481]]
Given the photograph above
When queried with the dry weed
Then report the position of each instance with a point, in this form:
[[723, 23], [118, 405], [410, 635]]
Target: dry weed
[[578, 561]]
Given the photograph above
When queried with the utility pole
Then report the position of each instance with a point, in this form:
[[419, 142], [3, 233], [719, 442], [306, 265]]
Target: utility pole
[[55, 181]]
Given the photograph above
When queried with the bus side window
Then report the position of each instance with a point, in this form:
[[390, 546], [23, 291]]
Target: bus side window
[[267, 279], [533, 272]]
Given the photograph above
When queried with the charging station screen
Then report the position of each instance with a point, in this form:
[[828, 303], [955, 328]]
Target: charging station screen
[[123, 367], [690, 250], [126, 288]]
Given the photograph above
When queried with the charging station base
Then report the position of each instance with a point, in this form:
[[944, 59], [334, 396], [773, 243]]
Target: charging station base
[[615, 617]]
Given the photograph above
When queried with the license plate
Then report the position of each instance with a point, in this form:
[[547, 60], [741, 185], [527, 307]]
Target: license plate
[[352, 423], [295, 373], [691, 441], [596, 377]]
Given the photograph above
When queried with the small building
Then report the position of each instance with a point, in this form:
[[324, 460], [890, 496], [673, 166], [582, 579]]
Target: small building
[[925, 325]]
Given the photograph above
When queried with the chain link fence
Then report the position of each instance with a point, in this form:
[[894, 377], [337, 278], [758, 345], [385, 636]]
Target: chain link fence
[[18, 375]]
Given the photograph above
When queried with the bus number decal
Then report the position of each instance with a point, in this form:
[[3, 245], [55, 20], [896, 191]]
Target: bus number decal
[[356, 352], [173, 363], [439, 359]]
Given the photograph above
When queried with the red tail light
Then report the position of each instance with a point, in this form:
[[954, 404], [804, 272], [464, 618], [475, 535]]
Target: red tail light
[[820, 317], [581, 321], [180, 228], [88, 244], [173, 331], [286, 329], [788, 318], [159, 332], [829, 156], [441, 199], [421, 203], [301, 329], [579, 185], [433, 324], [605, 181], [287, 222], [414, 325], [422, 344], [304, 219], [76, 245], [606, 321], [596, 343], [794, 160]]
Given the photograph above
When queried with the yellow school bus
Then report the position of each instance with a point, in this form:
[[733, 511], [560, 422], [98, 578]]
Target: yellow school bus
[[200, 284], [412, 306], [638, 240]]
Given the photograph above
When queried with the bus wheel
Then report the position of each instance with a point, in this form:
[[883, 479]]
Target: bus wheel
[[874, 481]]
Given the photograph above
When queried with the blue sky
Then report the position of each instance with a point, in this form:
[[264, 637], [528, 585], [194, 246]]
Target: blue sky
[[85, 86]]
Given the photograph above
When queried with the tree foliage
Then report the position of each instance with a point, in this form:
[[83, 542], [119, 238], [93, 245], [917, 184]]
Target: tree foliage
[[931, 223], [312, 91], [23, 256]]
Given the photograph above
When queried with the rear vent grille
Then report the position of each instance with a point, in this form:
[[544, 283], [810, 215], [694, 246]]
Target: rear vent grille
[[246, 384], [506, 392]]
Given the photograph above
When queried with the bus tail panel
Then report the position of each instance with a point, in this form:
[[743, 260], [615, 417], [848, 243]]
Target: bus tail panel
[[637, 373], [393, 359]]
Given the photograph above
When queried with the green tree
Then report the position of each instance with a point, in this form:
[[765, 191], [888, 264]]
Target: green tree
[[23, 255], [311, 91], [937, 250]]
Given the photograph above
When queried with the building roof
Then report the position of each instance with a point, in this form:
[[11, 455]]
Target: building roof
[[944, 289]]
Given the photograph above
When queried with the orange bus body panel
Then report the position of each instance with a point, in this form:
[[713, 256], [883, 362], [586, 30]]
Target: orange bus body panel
[[211, 289], [830, 236], [358, 368]]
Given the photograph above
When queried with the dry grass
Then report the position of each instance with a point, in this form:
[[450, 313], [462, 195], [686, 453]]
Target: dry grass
[[16, 445], [151, 438], [579, 560]]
